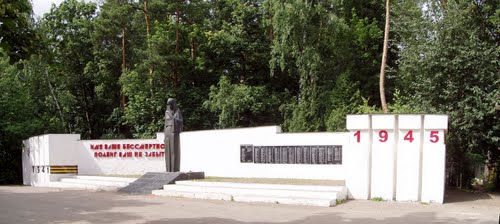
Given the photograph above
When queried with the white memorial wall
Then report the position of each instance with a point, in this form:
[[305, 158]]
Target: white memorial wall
[[383, 156], [393, 157], [357, 156], [406, 153]]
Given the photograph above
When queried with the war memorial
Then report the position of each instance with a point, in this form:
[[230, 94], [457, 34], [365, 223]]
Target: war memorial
[[391, 157]]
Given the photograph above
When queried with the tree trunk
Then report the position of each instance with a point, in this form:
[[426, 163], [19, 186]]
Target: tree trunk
[[177, 46], [384, 58], [58, 106], [146, 17], [147, 20], [124, 66], [497, 176]]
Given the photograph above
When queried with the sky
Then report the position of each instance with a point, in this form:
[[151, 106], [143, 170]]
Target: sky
[[43, 6]]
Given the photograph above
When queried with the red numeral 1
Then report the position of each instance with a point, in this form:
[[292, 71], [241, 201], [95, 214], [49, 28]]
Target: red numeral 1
[[358, 136], [434, 136], [383, 136], [409, 136]]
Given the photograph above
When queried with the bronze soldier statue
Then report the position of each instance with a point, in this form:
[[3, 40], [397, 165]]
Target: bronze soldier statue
[[173, 127]]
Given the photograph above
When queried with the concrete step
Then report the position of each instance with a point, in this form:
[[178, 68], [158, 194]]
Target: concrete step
[[106, 178], [341, 191], [80, 186], [270, 193], [155, 180], [105, 183], [248, 198], [253, 191]]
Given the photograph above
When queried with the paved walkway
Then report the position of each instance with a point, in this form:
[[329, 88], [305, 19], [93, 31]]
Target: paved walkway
[[45, 205]]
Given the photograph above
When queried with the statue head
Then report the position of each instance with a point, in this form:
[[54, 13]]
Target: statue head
[[171, 104]]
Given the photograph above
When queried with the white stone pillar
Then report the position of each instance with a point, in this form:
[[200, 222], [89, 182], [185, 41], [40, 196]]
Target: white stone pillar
[[44, 161], [383, 157], [356, 156], [27, 164], [434, 158], [409, 157]]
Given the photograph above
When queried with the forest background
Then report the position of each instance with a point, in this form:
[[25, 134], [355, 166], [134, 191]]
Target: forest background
[[105, 71]]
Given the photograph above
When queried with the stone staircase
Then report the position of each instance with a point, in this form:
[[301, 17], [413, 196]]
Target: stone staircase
[[325, 196], [100, 183]]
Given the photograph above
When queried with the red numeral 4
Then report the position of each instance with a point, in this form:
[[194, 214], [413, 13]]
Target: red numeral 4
[[409, 136]]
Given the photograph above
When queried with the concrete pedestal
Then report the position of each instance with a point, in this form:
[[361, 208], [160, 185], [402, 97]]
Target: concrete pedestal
[[434, 158], [409, 157], [356, 157], [383, 157]]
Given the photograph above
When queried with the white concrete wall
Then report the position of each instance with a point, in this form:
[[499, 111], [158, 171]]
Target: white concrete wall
[[434, 158], [217, 153], [357, 157], [63, 149], [120, 163], [374, 164], [36, 155], [383, 156], [396, 165], [409, 157]]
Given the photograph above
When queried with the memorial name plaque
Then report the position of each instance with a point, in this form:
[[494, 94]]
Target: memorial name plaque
[[270, 154], [321, 155], [316, 154], [277, 154], [307, 155], [256, 153], [246, 153], [299, 152], [291, 155]]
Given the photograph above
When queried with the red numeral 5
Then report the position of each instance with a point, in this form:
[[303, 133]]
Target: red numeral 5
[[434, 136]]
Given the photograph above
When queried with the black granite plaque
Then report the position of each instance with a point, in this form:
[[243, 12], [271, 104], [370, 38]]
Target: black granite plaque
[[314, 154], [276, 154], [263, 154], [338, 155], [291, 155], [246, 153], [256, 154], [284, 154], [329, 154], [299, 154], [270, 154], [322, 154], [307, 155]]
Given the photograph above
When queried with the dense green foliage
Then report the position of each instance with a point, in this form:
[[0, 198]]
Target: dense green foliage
[[105, 71], [17, 37], [452, 67]]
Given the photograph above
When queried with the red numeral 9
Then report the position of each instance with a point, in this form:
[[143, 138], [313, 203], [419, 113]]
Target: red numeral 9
[[358, 136], [383, 136], [434, 136]]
